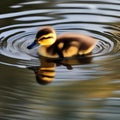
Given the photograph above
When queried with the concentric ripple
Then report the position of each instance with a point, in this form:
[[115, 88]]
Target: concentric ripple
[[97, 20], [14, 47], [64, 16]]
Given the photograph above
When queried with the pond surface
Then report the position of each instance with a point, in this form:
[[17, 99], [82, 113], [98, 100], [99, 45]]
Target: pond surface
[[87, 89]]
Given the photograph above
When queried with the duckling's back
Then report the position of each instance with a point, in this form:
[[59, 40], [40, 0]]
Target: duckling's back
[[68, 45]]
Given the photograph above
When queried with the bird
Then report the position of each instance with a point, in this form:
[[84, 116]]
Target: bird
[[62, 46]]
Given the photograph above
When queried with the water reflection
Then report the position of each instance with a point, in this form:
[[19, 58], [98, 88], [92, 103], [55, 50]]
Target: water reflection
[[87, 99], [46, 72]]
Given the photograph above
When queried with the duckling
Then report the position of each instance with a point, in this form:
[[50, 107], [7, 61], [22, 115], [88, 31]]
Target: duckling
[[65, 45]]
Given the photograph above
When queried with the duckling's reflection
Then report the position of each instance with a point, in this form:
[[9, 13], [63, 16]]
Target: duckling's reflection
[[46, 72]]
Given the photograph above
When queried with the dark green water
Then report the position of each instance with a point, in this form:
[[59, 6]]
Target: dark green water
[[89, 91]]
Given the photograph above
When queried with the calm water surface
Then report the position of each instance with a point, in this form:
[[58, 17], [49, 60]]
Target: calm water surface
[[85, 89]]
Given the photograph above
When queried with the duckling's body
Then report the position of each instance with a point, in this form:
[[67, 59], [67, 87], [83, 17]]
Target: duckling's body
[[68, 45], [65, 45]]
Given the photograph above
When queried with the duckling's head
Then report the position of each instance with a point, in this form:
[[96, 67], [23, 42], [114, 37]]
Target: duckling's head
[[46, 36]]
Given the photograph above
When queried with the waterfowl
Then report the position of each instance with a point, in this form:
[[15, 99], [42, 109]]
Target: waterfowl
[[65, 45]]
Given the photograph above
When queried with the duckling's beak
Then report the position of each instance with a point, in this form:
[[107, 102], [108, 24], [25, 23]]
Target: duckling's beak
[[32, 45]]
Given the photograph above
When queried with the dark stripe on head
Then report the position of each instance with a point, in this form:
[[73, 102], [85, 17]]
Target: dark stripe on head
[[44, 38]]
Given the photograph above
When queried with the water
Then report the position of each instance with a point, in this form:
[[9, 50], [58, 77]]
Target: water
[[85, 89]]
